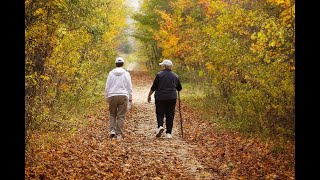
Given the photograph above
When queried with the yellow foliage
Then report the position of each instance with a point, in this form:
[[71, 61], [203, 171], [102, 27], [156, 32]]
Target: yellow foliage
[[65, 87], [65, 50], [44, 77], [239, 47], [282, 3], [39, 11], [209, 66]]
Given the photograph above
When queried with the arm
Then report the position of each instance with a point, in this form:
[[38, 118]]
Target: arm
[[179, 87], [129, 87], [149, 95], [153, 87], [107, 87]]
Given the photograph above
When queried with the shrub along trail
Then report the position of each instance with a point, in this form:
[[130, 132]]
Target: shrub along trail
[[203, 153]]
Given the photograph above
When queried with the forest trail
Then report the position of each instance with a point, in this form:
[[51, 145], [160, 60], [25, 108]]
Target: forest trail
[[170, 158], [236, 61], [91, 154], [201, 154], [158, 158]]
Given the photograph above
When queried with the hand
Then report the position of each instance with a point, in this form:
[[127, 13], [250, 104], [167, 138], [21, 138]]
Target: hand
[[149, 99]]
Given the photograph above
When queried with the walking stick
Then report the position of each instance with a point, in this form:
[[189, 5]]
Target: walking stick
[[180, 114]]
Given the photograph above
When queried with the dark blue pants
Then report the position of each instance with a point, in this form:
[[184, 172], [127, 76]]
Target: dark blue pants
[[165, 108]]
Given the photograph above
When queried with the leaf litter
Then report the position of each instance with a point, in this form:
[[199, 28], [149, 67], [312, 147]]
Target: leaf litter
[[202, 153]]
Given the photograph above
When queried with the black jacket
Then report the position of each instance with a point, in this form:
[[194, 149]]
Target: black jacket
[[165, 85]]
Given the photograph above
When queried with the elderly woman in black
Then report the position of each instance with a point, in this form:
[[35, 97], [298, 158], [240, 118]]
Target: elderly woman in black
[[165, 86]]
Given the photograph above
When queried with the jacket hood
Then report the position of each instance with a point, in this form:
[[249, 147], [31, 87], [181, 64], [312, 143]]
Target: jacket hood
[[118, 71]]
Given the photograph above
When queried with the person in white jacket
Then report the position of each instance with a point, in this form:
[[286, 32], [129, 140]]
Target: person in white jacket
[[118, 93]]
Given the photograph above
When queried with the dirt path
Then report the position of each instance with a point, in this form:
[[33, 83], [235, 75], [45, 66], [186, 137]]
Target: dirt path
[[148, 157], [171, 157], [202, 154], [91, 154]]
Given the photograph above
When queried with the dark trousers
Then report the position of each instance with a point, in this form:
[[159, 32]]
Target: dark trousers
[[165, 108]]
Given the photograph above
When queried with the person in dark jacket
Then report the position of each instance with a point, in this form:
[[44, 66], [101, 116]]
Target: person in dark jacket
[[165, 86]]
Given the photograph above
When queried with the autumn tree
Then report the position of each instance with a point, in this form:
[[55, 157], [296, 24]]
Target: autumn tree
[[147, 25], [69, 46], [241, 51]]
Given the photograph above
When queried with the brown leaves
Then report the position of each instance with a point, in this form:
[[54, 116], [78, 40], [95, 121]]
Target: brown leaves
[[203, 153], [233, 155]]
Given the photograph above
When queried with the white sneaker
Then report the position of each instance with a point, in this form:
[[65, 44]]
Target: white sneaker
[[112, 133], [169, 136], [159, 131], [119, 136]]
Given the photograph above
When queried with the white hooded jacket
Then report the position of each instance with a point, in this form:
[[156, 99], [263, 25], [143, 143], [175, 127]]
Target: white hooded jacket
[[118, 83]]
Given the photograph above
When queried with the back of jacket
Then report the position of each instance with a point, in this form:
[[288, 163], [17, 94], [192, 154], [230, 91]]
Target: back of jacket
[[165, 85], [119, 83]]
